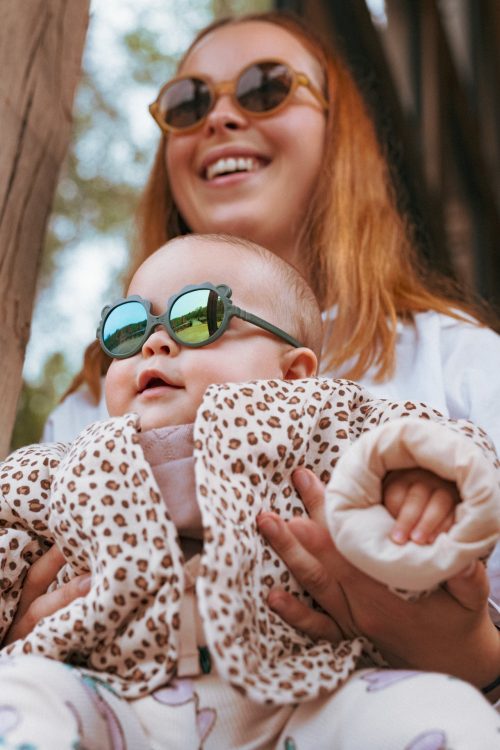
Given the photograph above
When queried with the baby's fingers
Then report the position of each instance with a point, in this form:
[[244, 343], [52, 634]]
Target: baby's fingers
[[437, 516], [443, 527], [394, 493], [410, 512]]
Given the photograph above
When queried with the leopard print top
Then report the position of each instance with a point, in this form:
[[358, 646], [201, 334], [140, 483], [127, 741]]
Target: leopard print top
[[98, 500]]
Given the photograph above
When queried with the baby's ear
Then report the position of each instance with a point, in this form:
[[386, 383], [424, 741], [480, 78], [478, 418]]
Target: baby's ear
[[299, 363]]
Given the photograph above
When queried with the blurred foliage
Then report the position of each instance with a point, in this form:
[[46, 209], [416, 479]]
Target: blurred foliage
[[148, 65], [92, 196], [38, 399], [235, 7], [106, 165]]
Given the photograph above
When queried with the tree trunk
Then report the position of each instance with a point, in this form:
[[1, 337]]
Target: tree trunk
[[41, 44]]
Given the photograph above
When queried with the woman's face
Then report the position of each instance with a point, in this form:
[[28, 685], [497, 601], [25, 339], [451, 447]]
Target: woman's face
[[279, 156]]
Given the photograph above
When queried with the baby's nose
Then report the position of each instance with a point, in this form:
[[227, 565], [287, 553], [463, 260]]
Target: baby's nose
[[159, 342]]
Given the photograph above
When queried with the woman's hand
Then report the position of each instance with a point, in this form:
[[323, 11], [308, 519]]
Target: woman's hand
[[448, 631], [35, 603]]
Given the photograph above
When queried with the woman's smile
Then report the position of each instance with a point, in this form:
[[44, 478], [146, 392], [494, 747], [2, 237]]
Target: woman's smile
[[231, 160]]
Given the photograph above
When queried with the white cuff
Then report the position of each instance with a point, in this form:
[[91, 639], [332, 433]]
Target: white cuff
[[360, 525]]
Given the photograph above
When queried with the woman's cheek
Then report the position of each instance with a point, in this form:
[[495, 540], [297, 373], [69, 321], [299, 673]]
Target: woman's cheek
[[178, 155]]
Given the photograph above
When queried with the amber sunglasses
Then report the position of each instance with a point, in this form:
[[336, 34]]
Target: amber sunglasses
[[261, 89]]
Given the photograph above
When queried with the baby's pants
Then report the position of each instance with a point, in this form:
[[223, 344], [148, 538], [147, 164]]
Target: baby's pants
[[45, 705]]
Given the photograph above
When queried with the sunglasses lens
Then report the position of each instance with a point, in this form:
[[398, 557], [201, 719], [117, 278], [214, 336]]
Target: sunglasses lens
[[264, 86], [124, 329], [185, 102], [197, 315]]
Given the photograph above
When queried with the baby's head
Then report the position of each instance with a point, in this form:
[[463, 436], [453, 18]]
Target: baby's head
[[162, 374]]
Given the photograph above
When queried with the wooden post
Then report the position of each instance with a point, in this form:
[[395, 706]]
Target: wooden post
[[41, 44]]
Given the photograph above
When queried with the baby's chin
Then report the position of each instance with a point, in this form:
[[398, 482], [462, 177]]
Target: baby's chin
[[157, 422]]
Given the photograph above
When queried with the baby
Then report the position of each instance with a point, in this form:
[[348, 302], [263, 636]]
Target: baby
[[135, 499]]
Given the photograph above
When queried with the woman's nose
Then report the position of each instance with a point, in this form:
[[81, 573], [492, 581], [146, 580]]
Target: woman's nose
[[225, 115], [159, 342]]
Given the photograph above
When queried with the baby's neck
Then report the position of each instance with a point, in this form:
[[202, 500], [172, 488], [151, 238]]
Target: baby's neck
[[167, 443], [169, 452]]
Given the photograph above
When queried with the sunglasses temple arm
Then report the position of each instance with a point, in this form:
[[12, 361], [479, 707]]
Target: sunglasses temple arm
[[256, 321]]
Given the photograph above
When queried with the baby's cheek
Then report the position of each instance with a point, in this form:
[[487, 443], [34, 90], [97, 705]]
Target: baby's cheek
[[116, 387], [195, 399]]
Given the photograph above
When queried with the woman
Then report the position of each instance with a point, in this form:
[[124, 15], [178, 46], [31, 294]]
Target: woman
[[318, 192], [308, 180]]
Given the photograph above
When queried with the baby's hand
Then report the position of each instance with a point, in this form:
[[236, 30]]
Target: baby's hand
[[422, 503]]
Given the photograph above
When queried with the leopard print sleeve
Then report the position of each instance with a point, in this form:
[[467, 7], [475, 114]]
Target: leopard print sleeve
[[107, 517], [25, 481]]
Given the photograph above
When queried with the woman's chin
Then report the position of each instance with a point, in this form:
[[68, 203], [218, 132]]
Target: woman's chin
[[255, 224]]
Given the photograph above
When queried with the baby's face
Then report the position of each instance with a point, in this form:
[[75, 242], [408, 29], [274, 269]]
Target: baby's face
[[164, 382]]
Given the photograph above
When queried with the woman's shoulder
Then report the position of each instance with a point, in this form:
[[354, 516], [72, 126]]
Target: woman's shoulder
[[78, 410], [462, 333]]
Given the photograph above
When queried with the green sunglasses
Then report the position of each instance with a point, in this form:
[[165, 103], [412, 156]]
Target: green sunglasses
[[196, 316]]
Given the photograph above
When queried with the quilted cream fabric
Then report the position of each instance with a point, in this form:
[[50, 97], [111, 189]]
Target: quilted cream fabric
[[360, 525]]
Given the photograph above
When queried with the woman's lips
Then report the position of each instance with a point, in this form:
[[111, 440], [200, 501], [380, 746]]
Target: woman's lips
[[231, 165], [230, 180], [223, 163]]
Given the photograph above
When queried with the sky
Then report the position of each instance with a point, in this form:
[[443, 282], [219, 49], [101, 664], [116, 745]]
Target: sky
[[66, 314]]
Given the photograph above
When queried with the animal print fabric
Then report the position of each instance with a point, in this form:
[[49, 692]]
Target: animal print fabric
[[98, 500]]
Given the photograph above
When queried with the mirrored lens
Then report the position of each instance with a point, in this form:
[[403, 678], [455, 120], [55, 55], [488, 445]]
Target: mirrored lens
[[124, 328], [185, 102], [197, 315], [264, 86]]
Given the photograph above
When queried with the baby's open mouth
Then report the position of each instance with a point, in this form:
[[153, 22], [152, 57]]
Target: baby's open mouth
[[155, 381]]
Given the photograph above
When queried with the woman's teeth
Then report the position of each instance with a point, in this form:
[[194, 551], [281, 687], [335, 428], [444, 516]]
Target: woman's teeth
[[232, 164]]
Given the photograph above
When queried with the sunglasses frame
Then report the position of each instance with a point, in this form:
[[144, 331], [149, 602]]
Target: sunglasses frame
[[230, 311], [229, 87]]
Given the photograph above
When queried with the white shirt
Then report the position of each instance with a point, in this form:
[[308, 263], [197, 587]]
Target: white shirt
[[446, 363], [70, 417], [449, 364]]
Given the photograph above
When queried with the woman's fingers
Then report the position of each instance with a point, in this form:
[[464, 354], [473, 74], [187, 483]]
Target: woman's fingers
[[45, 605], [440, 632], [35, 603], [307, 550], [299, 615], [303, 565], [39, 577], [312, 494]]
